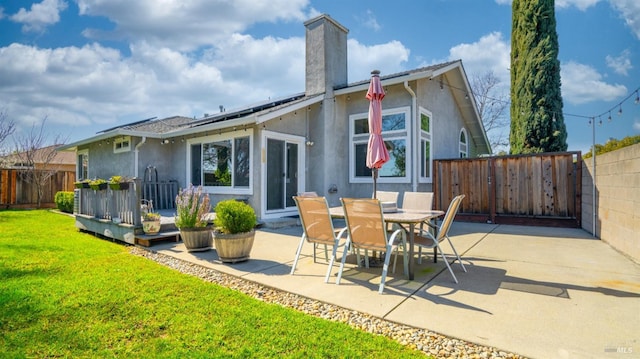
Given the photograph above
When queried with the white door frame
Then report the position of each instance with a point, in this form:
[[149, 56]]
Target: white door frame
[[298, 140]]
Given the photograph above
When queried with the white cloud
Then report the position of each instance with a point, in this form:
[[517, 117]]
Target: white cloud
[[388, 58], [490, 53], [636, 125], [184, 25], [630, 12], [369, 21], [40, 16], [582, 84], [620, 64], [580, 4]]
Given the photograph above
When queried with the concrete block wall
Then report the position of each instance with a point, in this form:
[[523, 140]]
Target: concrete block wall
[[617, 215]]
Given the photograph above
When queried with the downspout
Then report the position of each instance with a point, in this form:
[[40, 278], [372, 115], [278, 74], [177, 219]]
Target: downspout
[[413, 127], [135, 156]]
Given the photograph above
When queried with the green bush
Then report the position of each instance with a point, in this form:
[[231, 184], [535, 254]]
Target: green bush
[[234, 217], [64, 201]]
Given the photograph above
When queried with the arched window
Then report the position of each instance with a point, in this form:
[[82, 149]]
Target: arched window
[[464, 149]]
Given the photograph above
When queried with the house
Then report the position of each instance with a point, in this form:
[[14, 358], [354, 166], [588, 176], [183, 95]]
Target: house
[[311, 141]]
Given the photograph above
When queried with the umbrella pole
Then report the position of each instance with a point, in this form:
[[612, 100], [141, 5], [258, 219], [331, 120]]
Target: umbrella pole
[[374, 174]]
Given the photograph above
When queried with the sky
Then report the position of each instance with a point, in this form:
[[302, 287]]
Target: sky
[[89, 65]]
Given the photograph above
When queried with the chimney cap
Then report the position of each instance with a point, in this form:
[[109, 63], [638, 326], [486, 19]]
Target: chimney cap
[[375, 72]]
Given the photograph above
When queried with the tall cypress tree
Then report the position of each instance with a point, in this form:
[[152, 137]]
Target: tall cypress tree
[[537, 123]]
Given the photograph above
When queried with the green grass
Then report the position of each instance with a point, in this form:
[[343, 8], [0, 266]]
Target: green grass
[[64, 293]]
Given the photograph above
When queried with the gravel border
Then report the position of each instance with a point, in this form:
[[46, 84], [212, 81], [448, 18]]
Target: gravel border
[[420, 339]]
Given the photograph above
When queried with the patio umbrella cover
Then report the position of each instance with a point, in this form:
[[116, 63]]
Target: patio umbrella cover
[[377, 154]]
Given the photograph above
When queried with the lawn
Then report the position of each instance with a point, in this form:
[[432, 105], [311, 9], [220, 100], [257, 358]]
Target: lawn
[[64, 293]]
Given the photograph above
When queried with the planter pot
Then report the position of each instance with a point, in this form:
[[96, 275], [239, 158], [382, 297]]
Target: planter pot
[[234, 248], [151, 227], [119, 186], [99, 187], [197, 239], [81, 185]]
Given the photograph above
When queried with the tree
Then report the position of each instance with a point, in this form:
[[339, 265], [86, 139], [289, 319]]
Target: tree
[[7, 127], [492, 106], [37, 159], [537, 123]]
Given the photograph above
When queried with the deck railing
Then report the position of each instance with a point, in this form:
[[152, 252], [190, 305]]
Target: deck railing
[[124, 205], [108, 204]]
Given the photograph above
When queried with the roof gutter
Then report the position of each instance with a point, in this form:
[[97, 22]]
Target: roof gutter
[[416, 135]]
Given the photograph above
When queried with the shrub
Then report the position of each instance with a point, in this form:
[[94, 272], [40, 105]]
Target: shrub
[[64, 201], [234, 217]]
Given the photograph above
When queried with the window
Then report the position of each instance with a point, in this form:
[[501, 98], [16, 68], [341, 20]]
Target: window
[[425, 145], [463, 144], [223, 162], [82, 166], [122, 144], [396, 137]]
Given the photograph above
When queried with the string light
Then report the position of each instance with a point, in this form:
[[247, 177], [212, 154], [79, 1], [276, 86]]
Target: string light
[[635, 92]]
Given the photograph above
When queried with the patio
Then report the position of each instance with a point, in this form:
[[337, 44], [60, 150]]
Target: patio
[[535, 291]]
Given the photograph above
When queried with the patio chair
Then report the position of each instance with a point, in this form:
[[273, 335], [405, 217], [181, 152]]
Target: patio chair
[[419, 201], [317, 228], [308, 194], [386, 196], [425, 239], [367, 230]]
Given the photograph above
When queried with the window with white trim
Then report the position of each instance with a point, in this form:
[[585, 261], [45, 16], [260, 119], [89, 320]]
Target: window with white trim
[[463, 144], [425, 145], [122, 144], [82, 165], [396, 137], [222, 163]]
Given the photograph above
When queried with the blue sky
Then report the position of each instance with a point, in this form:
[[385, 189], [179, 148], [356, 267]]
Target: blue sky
[[89, 65]]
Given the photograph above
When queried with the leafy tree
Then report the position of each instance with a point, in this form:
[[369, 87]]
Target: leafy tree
[[537, 123], [613, 144]]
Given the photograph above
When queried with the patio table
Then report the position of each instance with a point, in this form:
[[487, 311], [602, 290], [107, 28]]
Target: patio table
[[404, 218]]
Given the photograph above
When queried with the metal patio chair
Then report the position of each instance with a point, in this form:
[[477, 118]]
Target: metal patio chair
[[425, 239], [367, 230], [317, 227]]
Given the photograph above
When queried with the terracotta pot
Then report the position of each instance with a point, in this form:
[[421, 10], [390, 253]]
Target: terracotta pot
[[197, 239], [234, 248]]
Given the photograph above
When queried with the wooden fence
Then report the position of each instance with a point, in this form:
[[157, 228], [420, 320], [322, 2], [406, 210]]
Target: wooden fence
[[539, 189], [15, 192]]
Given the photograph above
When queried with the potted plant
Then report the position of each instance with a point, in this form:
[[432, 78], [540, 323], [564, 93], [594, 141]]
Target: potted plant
[[151, 223], [192, 210], [98, 184], [82, 184], [118, 183], [234, 230]]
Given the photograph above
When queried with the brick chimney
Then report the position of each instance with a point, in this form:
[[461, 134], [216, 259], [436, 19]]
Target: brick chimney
[[326, 55]]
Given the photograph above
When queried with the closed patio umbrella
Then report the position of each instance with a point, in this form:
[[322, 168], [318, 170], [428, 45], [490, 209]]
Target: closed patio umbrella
[[377, 154]]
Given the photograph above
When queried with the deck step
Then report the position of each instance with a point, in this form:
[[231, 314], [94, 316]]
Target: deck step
[[146, 240]]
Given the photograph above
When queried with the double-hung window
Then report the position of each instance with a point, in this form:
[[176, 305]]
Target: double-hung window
[[222, 163], [395, 133], [425, 145]]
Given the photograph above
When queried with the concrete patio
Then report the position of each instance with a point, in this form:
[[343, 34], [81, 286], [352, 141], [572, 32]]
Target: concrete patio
[[538, 292]]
